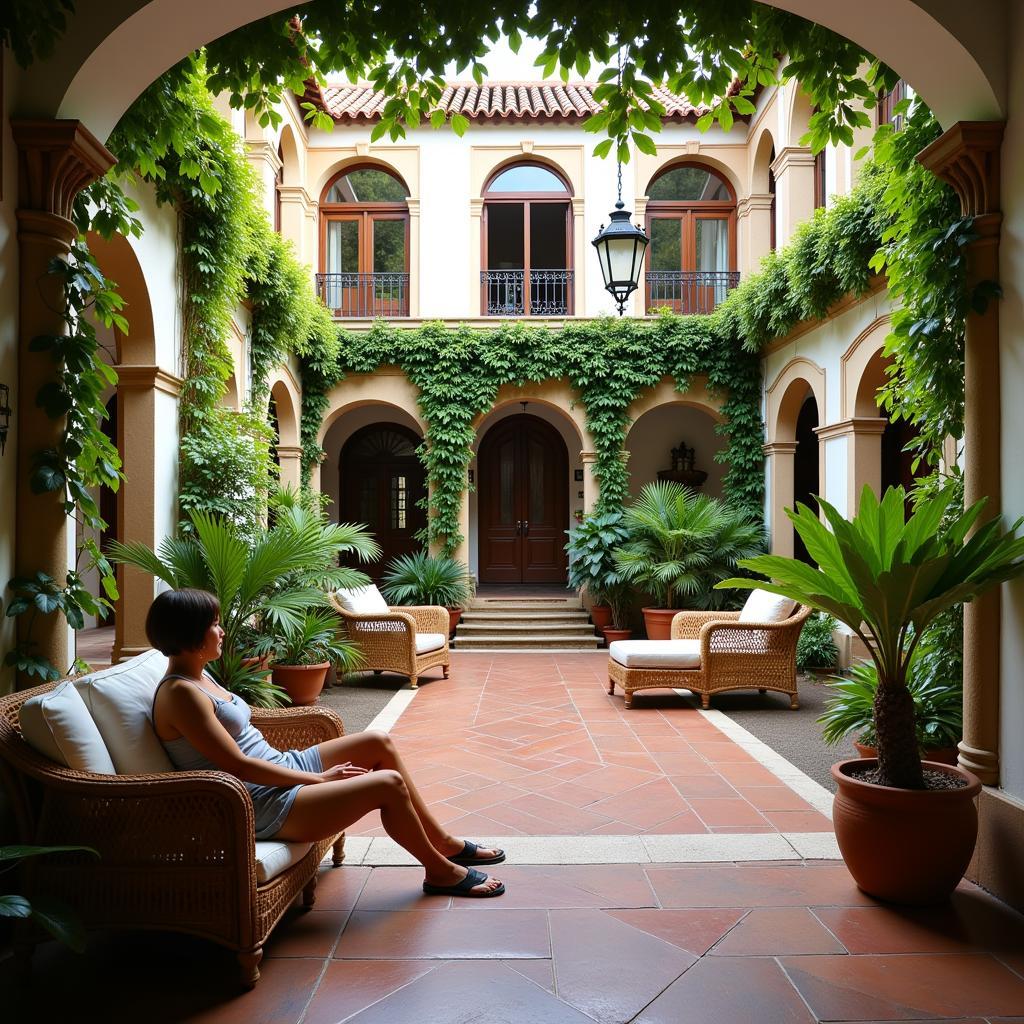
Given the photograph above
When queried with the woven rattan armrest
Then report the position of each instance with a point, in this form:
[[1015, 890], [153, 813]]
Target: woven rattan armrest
[[791, 625], [688, 625], [430, 618], [298, 728]]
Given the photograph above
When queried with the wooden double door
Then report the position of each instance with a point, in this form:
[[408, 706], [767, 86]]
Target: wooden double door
[[523, 508]]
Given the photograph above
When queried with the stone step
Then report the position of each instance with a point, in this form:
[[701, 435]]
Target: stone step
[[548, 641], [480, 615], [510, 626], [513, 605]]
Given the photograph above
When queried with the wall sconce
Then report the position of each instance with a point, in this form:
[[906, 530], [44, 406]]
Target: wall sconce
[[5, 415]]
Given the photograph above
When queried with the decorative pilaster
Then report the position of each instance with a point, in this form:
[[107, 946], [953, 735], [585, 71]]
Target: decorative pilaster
[[794, 189], [591, 486], [56, 160], [264, 159], [296, 206], [754, 226], [863, 454], [781, 456], [966, 157], [290, 461]]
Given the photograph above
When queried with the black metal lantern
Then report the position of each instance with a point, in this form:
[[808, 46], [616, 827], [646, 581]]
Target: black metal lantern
[[5, 415], [620, 249]]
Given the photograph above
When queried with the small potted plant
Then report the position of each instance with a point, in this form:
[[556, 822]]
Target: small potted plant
[[906, 828], [816, 651], [619, 597], [421, 579], [591, 565], [679, 545], [303, 651]]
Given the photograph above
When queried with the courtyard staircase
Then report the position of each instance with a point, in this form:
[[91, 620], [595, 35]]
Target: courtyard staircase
[[556, 623]]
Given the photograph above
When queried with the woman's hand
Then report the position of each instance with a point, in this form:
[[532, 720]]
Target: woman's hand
[[342, 771]]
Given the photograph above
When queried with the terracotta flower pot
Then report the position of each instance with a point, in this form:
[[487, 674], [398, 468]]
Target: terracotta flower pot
[[905, 845], [454, 615], [259, 663], [303, 683], [600, 615], [611, 635], [943, 755], [659, 622]]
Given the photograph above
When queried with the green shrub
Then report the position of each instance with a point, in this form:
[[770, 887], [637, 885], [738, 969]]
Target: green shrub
[[815, 648], [428, 579]]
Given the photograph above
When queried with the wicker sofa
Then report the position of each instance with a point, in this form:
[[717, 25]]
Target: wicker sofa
[[177, 850], [408, 639], [718, 652]]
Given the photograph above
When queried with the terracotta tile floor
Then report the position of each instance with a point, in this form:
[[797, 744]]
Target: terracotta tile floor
[[533, 745], [785, 942]]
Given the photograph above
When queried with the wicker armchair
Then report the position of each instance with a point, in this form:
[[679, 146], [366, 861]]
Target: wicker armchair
[[387, 641], [176, 849], [733, 655]]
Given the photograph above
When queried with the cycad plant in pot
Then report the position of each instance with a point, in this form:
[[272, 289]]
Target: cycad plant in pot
[[421, 578], [592, 567], [680, 544], [906, 831], [303, 652]]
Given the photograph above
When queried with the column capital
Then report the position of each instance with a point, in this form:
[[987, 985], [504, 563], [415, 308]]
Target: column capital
[[288, 451], [755, 201], [588, 458], [148, 378], [56, 160], [853, 425], [792, 156], [966, 157], [296, 194], [779, 448], [260, 149]]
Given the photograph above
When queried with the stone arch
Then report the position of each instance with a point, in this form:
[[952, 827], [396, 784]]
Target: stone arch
[[529, 158], [760, 170], [285, 396], [291, 159], [116, 258], [388, 387], [798, 114], [861, 370], [712, 163], [351, 163], [785, 396], [555, 395]]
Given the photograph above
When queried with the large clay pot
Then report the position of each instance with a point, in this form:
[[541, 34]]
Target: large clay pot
[[943, 755], [611, 635], [659, 622], [454, 615], [905, 845], [303, 683], [600, 615]]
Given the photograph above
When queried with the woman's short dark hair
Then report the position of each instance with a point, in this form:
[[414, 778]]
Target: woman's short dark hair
[[178, 620]]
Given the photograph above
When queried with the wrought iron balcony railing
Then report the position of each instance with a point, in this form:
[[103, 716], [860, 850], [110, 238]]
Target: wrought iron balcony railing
[[689, 291], [364, 295], [516, 293]]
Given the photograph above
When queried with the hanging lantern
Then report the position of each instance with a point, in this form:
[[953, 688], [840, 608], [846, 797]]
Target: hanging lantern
[[620, 249]]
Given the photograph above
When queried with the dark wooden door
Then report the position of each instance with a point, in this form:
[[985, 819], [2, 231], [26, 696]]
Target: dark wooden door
[[524, 502], [382, 482]]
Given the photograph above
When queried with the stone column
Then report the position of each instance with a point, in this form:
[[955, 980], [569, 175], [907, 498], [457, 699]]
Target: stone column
[[263, 158], [591, 488], [863, 455], [967, 158], [295, 204], [580, 245], [56, 160], [794, 190], [137, 423], [754, 225], [290, 459], [781, 455]]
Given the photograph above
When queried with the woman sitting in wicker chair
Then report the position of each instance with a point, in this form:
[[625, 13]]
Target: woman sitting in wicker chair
[[297, 795]]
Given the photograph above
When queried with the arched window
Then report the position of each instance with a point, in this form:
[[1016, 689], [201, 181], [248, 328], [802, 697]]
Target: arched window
[[691, 222], [527, 243], [364, 244]]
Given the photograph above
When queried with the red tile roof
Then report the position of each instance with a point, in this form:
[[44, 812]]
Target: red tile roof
[[493, 102]]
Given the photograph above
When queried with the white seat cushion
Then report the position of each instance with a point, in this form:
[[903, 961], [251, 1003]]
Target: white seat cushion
[[274, 856], [762, 606], [426, 642], [59, 726], [120, 700], [366, 600], [656, 653]]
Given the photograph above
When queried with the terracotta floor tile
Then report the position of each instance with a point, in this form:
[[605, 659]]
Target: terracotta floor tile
[[576, 793], [614, 779], [486, 796], [481, 992], [540, 972], [702, 785], [905, 987], [736, 990], [696, 931], [398, 889], [478, 827], [774, 798], [583, 945], [722, 752], [683, 764], [799, 821], [559, 813], [339, 888], [776, 932], [686, 824], [726, 811], [645, 806], [420, 934], [306, 933], [536, 888], [349, 986], [746, 774]]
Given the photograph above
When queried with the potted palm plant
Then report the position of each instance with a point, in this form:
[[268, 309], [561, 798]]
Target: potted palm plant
[[421, 578], [264, 585], [303, 652], [906, 829], [680, 544], [592, 567]]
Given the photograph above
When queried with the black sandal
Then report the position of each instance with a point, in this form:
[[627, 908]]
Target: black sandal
[[465, 887], [468, 858]]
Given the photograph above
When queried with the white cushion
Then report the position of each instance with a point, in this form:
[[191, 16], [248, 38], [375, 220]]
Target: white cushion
[[362, 600], [656, 653], [59, 726], [763, 606], [120, 700], [274, 856], [426, 642]]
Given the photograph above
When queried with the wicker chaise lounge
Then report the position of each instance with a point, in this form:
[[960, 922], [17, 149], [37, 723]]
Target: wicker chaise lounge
[[406, 639], [177, 850], [714, 651]]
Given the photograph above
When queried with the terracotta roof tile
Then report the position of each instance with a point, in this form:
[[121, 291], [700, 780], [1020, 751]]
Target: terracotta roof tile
[[493, 101]]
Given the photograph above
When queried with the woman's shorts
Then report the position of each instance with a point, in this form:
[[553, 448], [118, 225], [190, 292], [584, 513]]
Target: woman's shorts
[[272, 803]]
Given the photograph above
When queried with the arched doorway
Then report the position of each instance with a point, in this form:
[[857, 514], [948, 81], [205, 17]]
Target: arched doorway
[[382, 483], [523, 502], [806, 468]]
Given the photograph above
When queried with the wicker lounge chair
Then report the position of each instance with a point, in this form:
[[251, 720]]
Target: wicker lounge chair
[[407, 639], [177, 850], [711, 652]]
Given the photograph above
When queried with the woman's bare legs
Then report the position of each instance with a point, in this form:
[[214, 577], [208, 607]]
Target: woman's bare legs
[[376, 751], [330, 807]]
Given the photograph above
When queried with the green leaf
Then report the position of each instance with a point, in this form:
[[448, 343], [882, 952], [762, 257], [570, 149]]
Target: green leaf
[[459, 124]]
